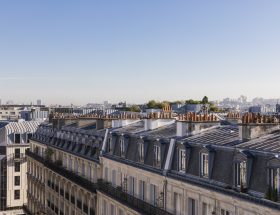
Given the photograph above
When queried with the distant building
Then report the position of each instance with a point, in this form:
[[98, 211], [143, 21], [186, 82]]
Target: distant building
[[193, 108], [255, 109], [35, 114], [39, 102], [14, 140], [278, 108]]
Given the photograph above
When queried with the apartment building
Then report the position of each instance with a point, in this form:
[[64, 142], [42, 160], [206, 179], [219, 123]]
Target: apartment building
[[157, 164], [14, 140]]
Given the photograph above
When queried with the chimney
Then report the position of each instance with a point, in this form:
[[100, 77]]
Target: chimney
[[157, 120], [192, 123], [256, 125], [125, 119], [233, 118]]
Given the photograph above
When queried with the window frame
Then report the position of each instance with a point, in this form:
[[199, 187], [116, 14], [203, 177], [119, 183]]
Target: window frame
[[17, 179], [17, 168], [182, 160], [204, 165], [141, 152], [122, 147], [157, 155], [240, 173], [15, 138], [16, 194], [274, 178]]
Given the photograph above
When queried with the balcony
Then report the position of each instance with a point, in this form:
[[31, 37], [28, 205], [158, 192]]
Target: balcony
[[86, 184], [102, 186], [19, 157], [130, 201]]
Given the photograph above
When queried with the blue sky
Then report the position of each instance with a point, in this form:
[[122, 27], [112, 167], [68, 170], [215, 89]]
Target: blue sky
[[70, 51]]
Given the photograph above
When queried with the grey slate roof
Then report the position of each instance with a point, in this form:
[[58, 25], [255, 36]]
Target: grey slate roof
[[269, 143], [222, 135]]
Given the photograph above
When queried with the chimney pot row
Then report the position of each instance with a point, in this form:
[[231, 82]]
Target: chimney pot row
[[233, 115], [258, 119], [193, 117]]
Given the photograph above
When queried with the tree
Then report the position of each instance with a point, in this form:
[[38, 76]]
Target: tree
[[152, 104], [134, 108], [205, 100], [155, 105], [192, 102]]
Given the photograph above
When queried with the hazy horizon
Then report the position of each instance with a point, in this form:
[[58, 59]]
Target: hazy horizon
[[65, 52]]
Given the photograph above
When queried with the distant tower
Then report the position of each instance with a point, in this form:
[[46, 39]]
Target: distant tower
[[39, 102]]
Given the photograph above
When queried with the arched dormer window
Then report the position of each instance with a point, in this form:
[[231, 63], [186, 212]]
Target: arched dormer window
[[273, 176], [242, 166], [122, 147], [240, 170], [204, 164], [141, 151], [157, 154], [206, 161], [182, 159], [110, 145]]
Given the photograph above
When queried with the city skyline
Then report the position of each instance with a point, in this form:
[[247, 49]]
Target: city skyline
[[137, 51]]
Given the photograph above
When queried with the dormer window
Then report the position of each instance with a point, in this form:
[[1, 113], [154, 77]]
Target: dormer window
[[122, 147], [182, 160], [157, 159], [274, 178], [17, 138], [240, 170], [141, 152], [28, 137], [110, 145], [204, 165]]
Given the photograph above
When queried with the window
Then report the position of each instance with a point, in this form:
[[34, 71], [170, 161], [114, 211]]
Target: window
[[274, 178], [204, 209], [157, 155], [17, 166], [106, 174], [177, 204], [17, 180], [153, 194], [113, 209], [182, 160], [224, 212], [17, 194], [122, 147], [110, 145], [240, 174], [141, 151], [204, 165], [104, 209], [29, 136], [114, 178], [142, 190], [17, 138], [121, 212], [131, 185], [17, 153], [192, 206]]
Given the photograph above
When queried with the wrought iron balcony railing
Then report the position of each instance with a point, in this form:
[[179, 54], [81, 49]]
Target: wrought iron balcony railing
[[86, 184], [104, 187], [129, 200], [19, 157]]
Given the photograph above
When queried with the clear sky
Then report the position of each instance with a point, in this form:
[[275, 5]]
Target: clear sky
[[66, 51]]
